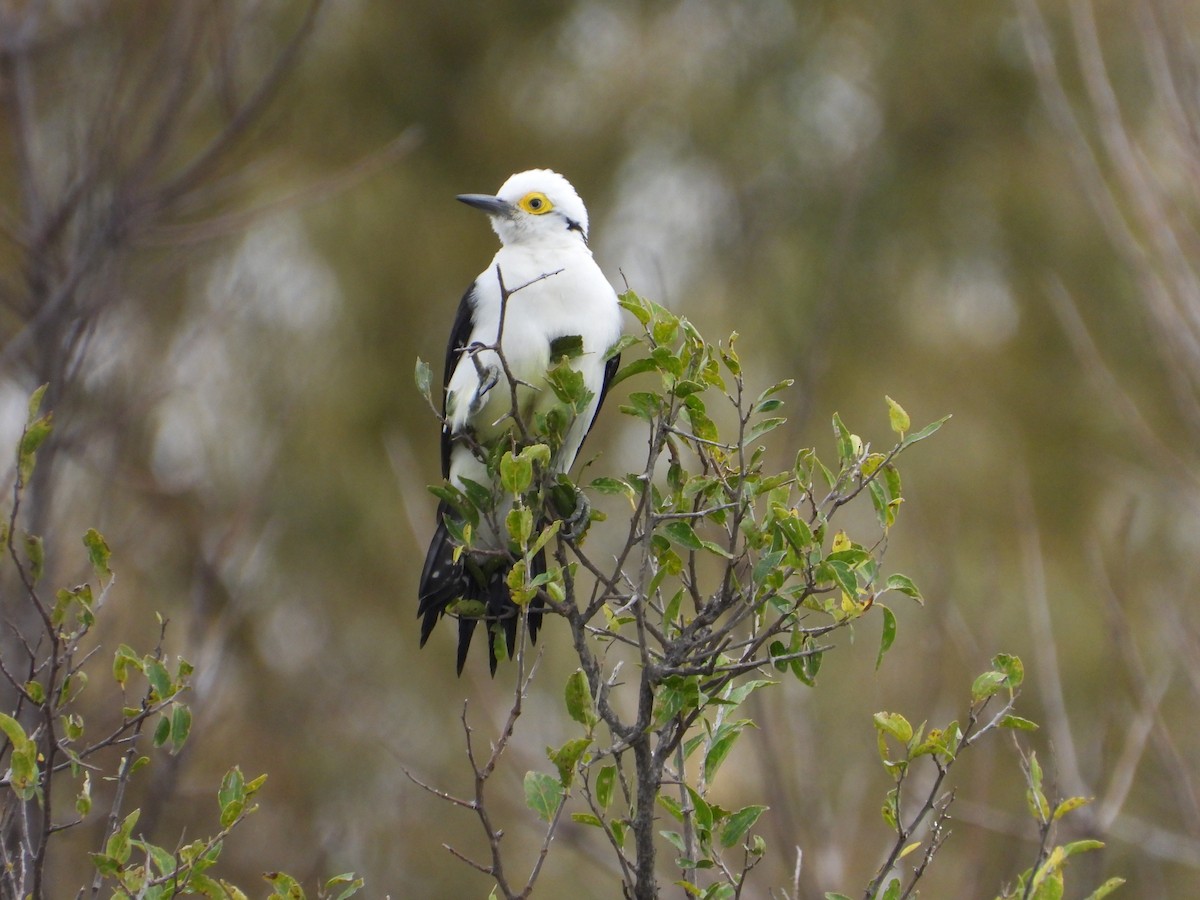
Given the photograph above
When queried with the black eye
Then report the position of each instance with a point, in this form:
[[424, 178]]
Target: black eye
[[535, 203]]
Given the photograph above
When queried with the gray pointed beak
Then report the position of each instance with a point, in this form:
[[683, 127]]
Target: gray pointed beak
[[493, 206]]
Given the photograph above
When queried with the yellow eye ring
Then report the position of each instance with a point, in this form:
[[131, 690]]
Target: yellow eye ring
[[536, 203]]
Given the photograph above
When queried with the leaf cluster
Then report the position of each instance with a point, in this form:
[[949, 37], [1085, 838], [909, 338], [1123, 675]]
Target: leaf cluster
[[53, 746], [728, 574]]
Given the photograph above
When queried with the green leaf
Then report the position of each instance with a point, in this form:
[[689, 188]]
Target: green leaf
[[606, 485], [643, 405], [1018, 723], [619, 829], [664, 329], [35, 403], [671, 805], [568, 345], [579, 700], [888, 636], [284, 887], [105, 865], [739, 823], [637, 367], [735, 696], [36, 692], [701, 810], [636, 305], [895, 725], [424, 378], [1050, 887], [543, 793], [623, 343], [730, 357], [587, 819], [566, 757], [160, 680], [516, 473], [684, 535], [897, 416], [568, 385], [987, 684], [181, 726], [123, 659], [764, 427], [924, 432], [232, 796], [773, 389], [519, 525], [677, 694], [349, 883], [675, 839], [1084, 846], [904, 585], [722, 743], [73, 727], [12, 730], [840, 573], [604, 785], [83, 800], [1012, 667], [35, 551], [1069, 805], [162, 732], [118, 845], [1105, 889], [845, 440], [98, 552], [32, 438]]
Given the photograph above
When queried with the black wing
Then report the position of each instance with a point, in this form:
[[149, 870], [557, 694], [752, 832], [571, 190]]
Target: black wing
[[460, 334], [610, 370]]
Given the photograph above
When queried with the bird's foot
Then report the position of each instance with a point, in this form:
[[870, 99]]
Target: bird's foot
[[489, 377], [575, 510]]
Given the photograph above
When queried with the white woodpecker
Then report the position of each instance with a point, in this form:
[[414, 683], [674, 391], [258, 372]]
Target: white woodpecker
[[542, 287]]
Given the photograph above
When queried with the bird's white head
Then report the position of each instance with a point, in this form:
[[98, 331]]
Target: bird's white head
[[534, 206]]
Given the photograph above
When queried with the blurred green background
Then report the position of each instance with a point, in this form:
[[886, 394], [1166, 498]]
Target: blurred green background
[[986, 209]]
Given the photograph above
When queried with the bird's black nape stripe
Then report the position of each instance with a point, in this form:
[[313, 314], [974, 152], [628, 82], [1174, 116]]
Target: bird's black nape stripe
[[572, 225]]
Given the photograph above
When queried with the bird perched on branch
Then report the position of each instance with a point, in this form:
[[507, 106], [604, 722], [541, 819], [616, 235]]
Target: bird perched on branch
[[543, 291]]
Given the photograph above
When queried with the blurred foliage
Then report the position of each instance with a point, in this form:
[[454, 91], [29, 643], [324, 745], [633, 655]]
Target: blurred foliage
[[877, 197]]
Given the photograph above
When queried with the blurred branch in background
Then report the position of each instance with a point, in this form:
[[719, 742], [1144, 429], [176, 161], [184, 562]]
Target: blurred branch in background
[[127, 125], [1137, 158], [1141, 178], [112, 136]]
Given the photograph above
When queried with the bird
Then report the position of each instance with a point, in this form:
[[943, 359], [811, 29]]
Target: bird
[[542, 286]]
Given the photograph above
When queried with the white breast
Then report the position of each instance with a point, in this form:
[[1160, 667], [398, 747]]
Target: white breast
[[550, 296]]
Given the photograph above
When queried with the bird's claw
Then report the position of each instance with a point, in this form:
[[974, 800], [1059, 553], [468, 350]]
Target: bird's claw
[[575, 523], [489, 377]]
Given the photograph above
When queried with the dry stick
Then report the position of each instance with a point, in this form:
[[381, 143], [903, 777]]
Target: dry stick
[[124, 770], [1051, 685], [50, 742], [970, 734], [1116, 397], [237, 125], [622, 859], [318, 192], [497, 348], [1045, 826], [1182, 360], [1184, 790], [1129, 165]]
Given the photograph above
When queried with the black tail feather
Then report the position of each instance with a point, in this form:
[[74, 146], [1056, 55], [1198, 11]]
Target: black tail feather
[[445, 580], [466, 628]]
